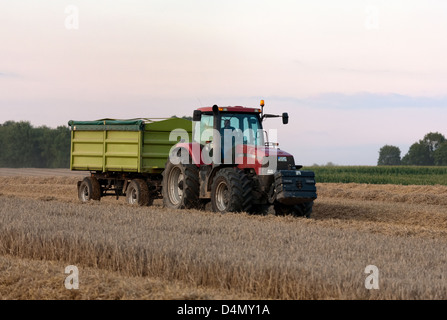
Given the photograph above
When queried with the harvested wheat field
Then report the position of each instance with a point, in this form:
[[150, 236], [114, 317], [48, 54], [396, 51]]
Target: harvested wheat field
[[124, 252]]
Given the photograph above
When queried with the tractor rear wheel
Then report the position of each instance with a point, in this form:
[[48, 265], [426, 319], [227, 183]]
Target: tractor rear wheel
[[231, 191], [298, 210], [138, 194], [89, 189], [181, 186]]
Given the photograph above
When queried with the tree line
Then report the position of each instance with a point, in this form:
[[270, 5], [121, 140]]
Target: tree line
[[429, 151], [25, 146]]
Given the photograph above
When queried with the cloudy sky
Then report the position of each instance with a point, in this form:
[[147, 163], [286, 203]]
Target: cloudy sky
[[353, 75]]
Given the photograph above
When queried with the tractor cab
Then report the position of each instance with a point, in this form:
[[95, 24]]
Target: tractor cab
[[233, 130], [238, 120]]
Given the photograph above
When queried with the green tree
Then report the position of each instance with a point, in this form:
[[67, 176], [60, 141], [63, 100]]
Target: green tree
[[17, 145], [22, 145], [433, 140], [418, 155], [440, 155], [61, 147], [389, 156], [424, 152]]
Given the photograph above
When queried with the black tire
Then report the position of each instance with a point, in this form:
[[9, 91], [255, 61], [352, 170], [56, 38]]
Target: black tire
[[231, 191], [298, 210], [181, 186], [138, 194], [89, 189]]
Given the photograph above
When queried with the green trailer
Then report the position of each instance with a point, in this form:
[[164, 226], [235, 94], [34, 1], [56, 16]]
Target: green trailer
[[124, 157]]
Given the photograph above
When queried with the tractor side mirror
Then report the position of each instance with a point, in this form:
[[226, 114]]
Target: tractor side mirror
[[197, 115], [285, 118]]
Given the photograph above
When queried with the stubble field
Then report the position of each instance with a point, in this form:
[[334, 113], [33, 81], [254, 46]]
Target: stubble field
[[124, 252]]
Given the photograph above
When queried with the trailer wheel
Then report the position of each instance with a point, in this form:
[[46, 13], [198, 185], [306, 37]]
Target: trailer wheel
[[138, 194], [231, 191], [181, 186], [89, 189], [298, 210]]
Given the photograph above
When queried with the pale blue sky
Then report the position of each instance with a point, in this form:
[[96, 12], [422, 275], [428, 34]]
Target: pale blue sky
[[353, 75]]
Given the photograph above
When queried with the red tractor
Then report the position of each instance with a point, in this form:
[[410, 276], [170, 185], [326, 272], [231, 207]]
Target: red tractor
[[230, 167]]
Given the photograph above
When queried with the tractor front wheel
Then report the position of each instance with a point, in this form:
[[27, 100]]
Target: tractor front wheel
[[231, 191]]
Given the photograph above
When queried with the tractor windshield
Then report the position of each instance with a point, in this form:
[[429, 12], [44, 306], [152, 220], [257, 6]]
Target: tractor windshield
[[249, 125]]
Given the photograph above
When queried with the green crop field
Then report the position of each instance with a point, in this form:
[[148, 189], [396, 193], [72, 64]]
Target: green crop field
[[403, 175]]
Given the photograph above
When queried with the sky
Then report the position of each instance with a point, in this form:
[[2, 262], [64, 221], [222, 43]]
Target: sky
[[353, 75]]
